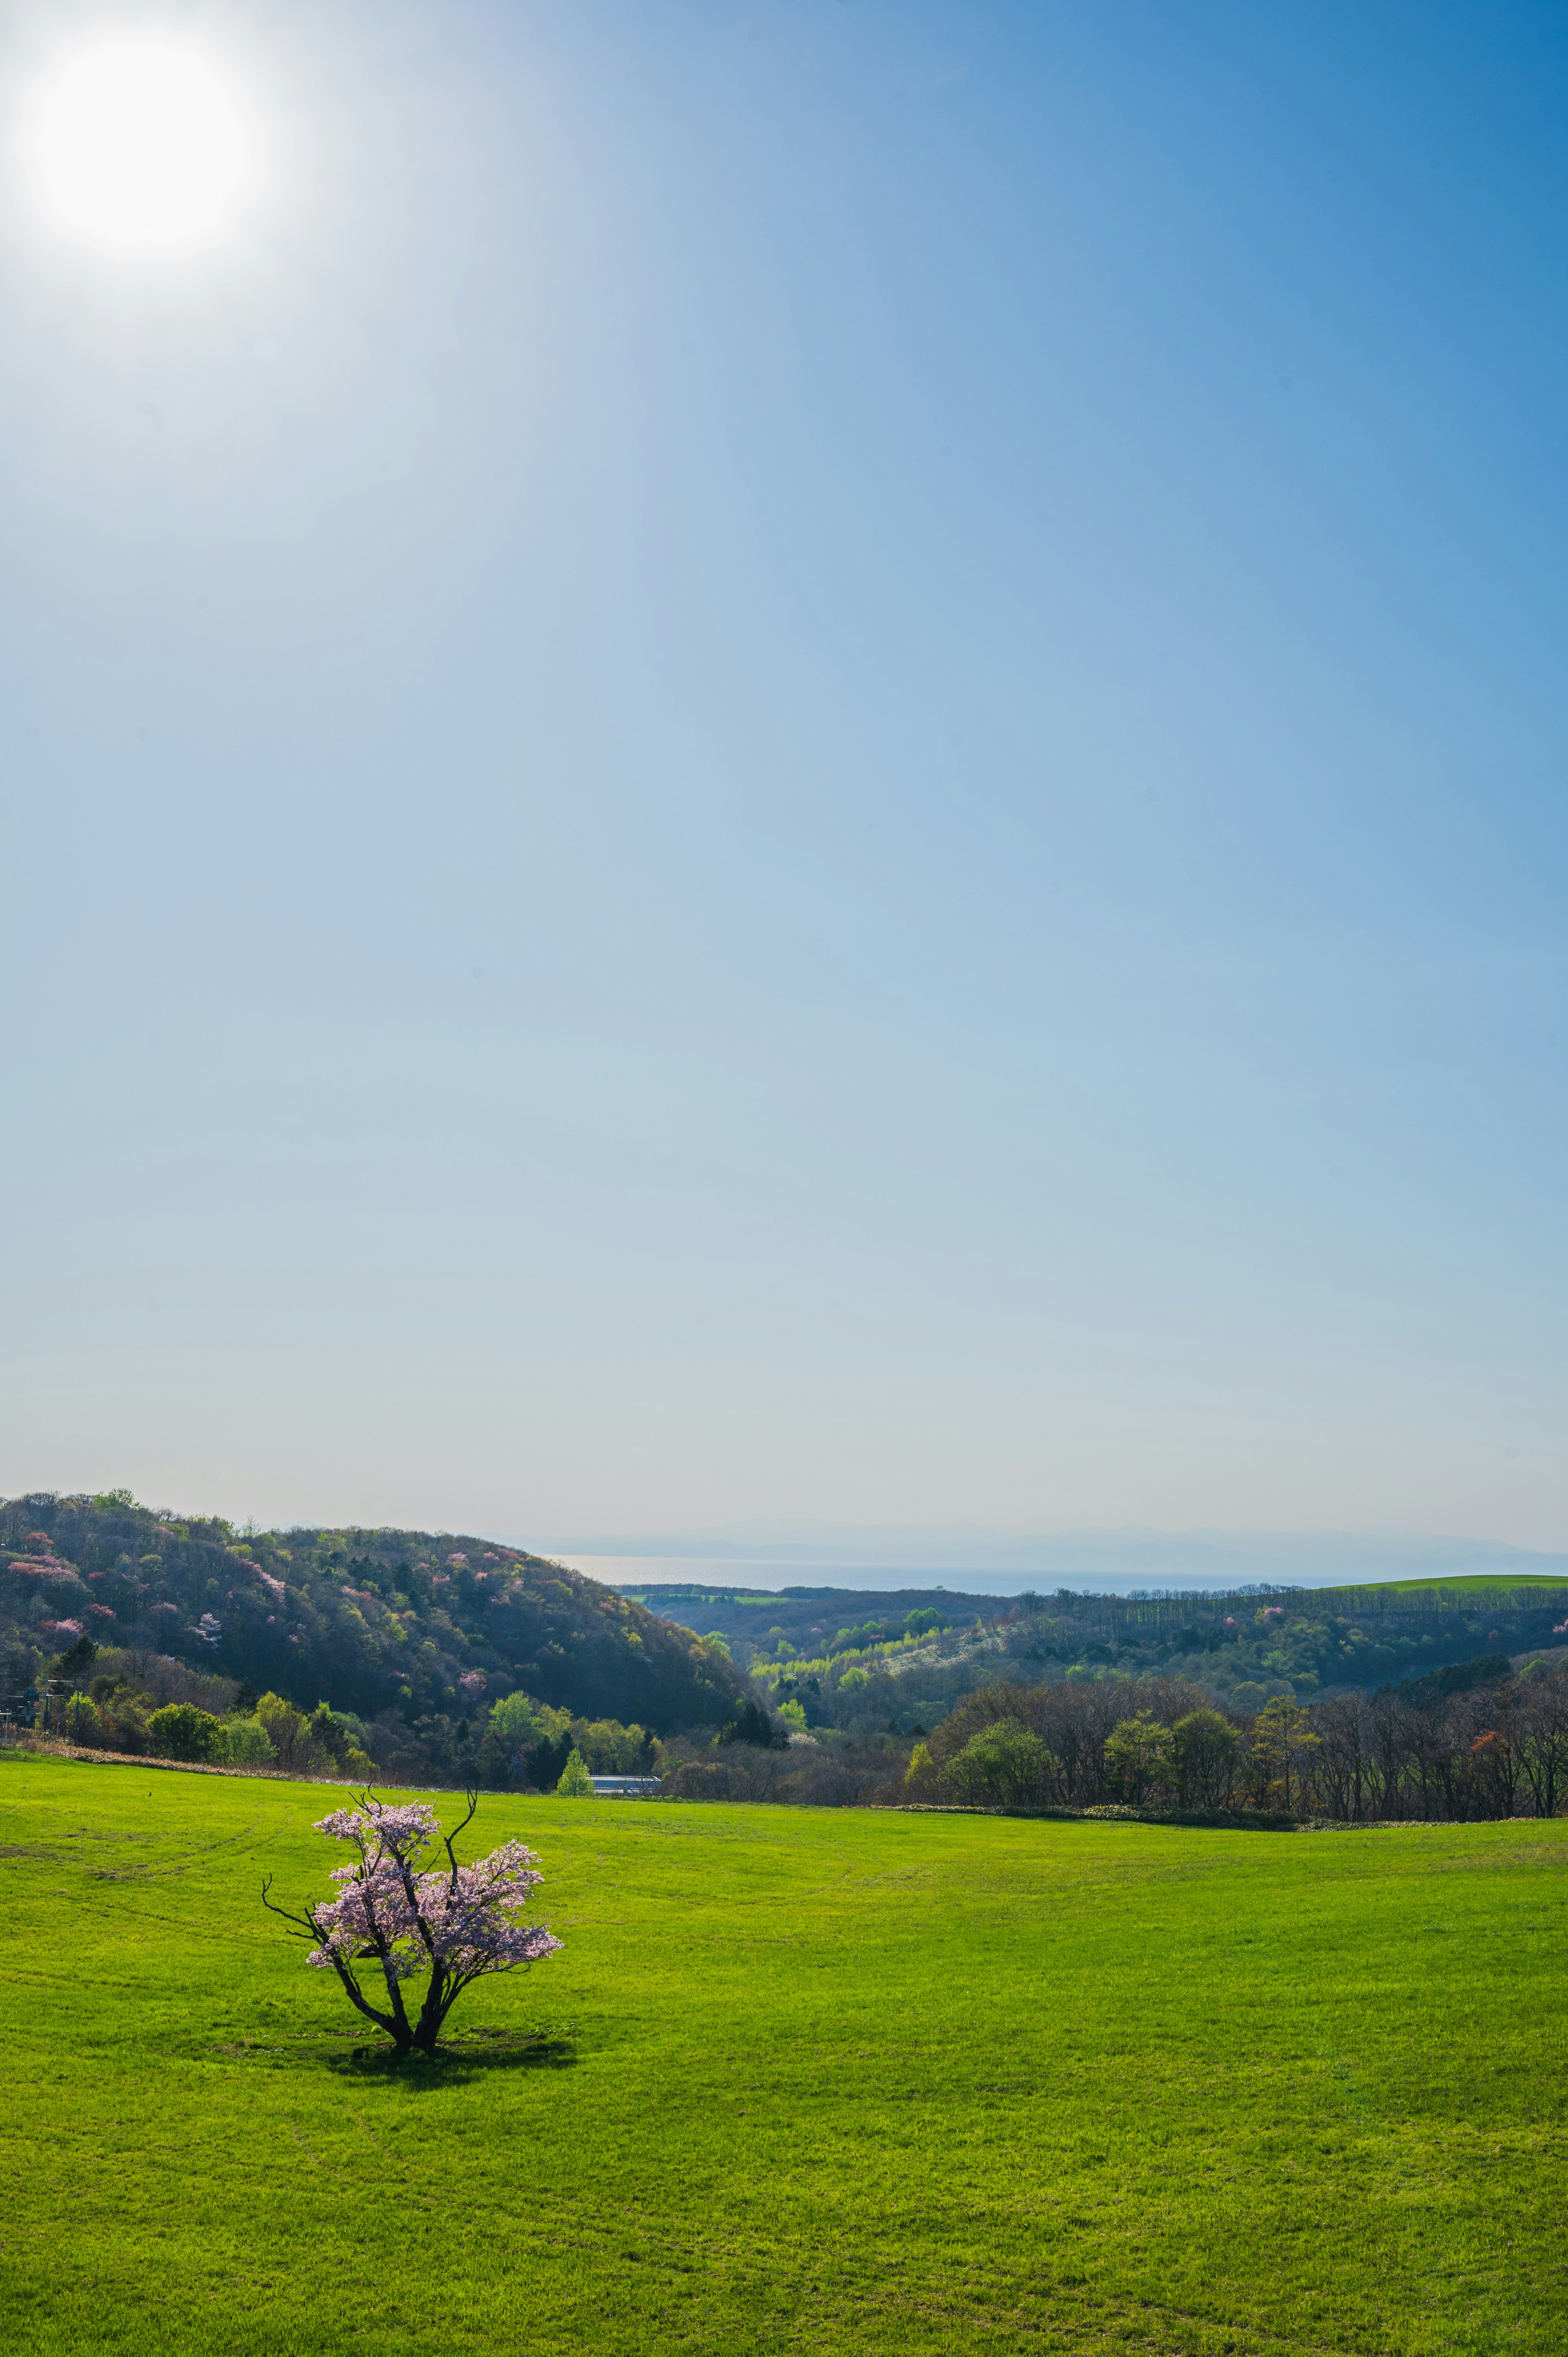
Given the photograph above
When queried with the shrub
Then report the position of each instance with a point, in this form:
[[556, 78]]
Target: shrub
[[247, 1744], [749, 1723], [82, 1724], [181, 1731], [290, 1732], [1205, 1745], [608, 1748], [1138, 1754], [1006, 1763], [521, 1721], [700, 1779], [524, 1741]]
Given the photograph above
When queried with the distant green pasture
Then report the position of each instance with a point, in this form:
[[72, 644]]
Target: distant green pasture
[[1500, 1585], [824, 2080]]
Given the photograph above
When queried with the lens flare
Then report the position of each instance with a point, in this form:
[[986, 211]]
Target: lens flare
[[142, 145]]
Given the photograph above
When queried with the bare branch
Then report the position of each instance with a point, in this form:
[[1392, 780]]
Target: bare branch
[[451, 1927], [306, 1923], [472, 1800]]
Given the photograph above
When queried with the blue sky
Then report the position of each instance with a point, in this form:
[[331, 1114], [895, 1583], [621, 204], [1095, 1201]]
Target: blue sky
[[799, 766]]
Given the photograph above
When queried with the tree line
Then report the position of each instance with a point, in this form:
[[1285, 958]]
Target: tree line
[[1479, 1741]]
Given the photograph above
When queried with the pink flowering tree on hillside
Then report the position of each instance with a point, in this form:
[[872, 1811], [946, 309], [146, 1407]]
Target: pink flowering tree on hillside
[[397, 1914]]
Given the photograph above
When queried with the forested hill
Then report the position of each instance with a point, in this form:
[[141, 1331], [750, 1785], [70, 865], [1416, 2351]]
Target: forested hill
[[422, 1624]]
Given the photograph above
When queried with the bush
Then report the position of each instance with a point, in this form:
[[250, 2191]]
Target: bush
[[181, 1731], [699, 1780], [608, 1748], [519, 1720], [1138, 1753], [749, 1723], [1004, 1764], [1205, 1746], [247, 1744], [524, 1742], [289, 1731], [82, 1724]]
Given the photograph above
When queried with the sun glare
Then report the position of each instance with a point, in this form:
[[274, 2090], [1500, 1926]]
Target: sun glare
[[141, 144]]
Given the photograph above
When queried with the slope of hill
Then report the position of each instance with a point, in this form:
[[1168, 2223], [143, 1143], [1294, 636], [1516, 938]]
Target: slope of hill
[[862, 1661], [372, 1621]]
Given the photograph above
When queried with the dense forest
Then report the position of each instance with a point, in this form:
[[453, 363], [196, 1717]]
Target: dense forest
[[411, 1638], [869, 1664], [412, 1656]]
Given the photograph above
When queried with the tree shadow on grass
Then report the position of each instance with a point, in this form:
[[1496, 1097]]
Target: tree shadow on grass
[[459, 2058], [463, 2056]]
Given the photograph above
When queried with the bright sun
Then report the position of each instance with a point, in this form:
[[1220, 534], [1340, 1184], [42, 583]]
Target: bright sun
[[139, 144]]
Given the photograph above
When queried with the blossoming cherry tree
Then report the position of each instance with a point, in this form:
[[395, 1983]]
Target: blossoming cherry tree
[[448, 1924]]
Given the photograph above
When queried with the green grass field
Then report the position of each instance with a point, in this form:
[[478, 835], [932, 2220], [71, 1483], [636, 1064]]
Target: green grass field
[[815, 2080], [1500, 1585]]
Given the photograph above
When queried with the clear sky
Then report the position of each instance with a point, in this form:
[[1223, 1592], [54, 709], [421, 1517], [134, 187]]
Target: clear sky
[[795, 764]]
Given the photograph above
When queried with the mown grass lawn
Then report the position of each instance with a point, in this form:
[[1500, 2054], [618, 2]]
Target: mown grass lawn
[[816, 2079]]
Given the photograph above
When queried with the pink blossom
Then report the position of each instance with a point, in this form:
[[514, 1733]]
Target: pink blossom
[[103, 1609], [457, 1558], [454, 1923], [474, 1680], [1230, 1620], [72, 1628]]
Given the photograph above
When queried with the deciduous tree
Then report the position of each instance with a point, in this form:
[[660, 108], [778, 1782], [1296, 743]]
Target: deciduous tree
[[1203, 1746], [1138, 1754], [1006, 1764], [448, 1926], [181, 1731]]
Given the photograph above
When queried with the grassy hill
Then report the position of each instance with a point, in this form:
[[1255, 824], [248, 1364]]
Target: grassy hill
[[812, 2080], [428, 1628], [1499, 1586]]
